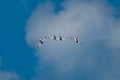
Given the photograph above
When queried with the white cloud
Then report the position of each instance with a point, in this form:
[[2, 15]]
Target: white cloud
[[94, 24]]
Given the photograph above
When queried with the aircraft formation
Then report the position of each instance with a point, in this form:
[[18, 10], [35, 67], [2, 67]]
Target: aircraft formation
[[57, 38]]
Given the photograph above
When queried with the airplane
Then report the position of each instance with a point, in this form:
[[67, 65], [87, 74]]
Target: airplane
[[53, 37], [61, 38], [41, 41], [75, 39]]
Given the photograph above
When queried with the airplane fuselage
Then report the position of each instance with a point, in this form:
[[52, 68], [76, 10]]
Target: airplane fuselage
[[54, 37], [41, 41], [60, 38], [76, 40]]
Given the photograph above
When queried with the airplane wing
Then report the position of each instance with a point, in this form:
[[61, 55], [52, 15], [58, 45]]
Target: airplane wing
[[38, 45], [43, 40], [50, 37], [64, 38]]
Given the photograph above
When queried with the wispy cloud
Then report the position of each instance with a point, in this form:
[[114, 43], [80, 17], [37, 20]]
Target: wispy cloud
[[0, 62], [8, 75], [5, 75], [24, 1], [95, 25]]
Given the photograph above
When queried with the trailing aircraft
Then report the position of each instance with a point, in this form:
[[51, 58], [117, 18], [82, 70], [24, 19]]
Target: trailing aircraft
[[41, 41]]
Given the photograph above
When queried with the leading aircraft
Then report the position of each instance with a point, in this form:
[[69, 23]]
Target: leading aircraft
[[75, 39]]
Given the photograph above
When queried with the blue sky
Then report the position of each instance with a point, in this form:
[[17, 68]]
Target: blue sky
[[19, 20]]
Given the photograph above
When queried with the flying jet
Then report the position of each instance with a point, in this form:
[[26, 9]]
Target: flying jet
[[53, 37], [75, 39], [41, 41], [61, 38]]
